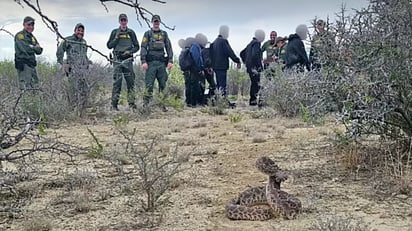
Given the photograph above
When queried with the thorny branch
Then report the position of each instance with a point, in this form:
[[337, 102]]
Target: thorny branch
[[140, 11], [20, 136], [53, 25]]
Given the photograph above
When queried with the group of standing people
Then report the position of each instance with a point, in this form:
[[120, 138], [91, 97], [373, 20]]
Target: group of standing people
[[212, 62], [210, 59], [155, 52], [288, 51]]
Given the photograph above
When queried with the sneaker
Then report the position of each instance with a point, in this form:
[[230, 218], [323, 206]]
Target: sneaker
[[114, 108], [164, 109], [253, 103]]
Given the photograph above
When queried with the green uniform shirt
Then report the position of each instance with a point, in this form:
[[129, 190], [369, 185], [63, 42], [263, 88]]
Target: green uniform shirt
[[25, 48], [76, 51], [121, 41], [269, 47], [281, 53], [322, 42], [154, 45]]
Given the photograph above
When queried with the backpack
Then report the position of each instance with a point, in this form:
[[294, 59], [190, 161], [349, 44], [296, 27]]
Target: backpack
[[207, 57], [191, 58], [185, 60]]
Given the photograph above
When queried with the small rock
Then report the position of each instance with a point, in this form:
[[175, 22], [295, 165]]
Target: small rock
[[402, 196]]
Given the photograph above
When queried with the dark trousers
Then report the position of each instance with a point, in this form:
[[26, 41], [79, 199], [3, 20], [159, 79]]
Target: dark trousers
[[195, 89], [186, 76], [254, 85], [221, 78]]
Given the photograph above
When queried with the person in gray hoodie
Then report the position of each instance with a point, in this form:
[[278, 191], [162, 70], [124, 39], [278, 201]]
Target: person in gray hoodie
[[296, 56]]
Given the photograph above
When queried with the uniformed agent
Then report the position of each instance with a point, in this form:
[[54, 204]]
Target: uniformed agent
[[269, 47], [156, 55], [124, 43], [75, 65], [26, 48]]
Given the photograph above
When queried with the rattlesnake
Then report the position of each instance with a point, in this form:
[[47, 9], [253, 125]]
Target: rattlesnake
[[247, 205]]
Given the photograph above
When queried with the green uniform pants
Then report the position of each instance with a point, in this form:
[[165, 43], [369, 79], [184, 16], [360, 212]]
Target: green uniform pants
[[156, 70], [126, 70], [77, 88], [28, 78]]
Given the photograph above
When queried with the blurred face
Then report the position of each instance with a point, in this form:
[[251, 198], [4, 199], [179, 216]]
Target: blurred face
[[156, 25], [79, 32], [123, 23], [273, 36], [29, 27]]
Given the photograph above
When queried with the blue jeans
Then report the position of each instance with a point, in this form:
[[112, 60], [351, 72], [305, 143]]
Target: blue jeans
[[221, 79]]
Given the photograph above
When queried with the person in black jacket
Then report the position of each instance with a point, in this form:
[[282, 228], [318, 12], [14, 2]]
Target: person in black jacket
[[295, 52], [207, 69], [221, 52], [254, 65]]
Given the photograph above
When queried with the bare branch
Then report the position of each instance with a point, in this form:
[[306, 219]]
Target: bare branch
[[141, 12], [8, 32]]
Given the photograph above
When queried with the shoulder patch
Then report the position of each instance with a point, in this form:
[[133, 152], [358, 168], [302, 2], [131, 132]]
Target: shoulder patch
[[144, 39], [20, 36]]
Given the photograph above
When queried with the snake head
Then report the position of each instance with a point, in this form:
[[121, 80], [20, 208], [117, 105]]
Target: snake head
[[267, 166]]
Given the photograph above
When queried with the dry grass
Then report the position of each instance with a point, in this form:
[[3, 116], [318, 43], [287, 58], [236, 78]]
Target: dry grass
[[110, 190], [339, 223], [39, 223]]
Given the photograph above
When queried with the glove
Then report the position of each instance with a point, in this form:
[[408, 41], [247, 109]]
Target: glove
[[126, 53]]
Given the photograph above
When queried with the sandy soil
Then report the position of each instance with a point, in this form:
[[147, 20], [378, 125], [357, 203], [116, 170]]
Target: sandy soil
[[90, 194]]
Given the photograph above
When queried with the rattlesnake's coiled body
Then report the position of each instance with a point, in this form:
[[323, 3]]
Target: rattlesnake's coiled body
[[248, 204]]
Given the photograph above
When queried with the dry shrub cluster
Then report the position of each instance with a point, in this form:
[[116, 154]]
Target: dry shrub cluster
[[365, 81]]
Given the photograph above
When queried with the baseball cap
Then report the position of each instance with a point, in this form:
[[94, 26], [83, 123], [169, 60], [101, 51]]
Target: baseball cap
[[156, 18], [28, 20], [278, 39], [122, 16]]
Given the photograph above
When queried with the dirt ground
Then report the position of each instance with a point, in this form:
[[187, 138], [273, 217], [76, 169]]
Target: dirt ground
[[90, 194]]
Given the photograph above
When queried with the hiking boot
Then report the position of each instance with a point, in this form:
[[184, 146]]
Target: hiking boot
[[164, 109], [114, 108]]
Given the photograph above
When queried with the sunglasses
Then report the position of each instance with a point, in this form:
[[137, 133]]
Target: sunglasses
[[123, 20], [30, 24]]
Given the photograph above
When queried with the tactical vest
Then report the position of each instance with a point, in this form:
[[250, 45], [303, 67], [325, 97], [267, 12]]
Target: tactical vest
[[157, 41]]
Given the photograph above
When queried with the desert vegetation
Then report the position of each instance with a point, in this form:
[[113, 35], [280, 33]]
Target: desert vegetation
[[343, 134]]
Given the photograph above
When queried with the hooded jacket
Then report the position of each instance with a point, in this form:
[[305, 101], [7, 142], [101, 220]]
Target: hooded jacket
[[254, 56], [76, 51], [296, 53]]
